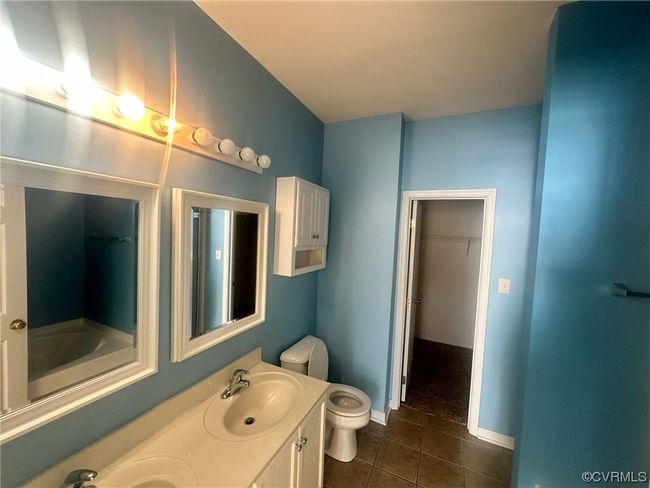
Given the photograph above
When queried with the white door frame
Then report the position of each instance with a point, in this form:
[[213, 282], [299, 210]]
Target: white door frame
[[488, 196]]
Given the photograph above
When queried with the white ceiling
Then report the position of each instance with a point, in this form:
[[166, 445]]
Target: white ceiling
[[351, 59]]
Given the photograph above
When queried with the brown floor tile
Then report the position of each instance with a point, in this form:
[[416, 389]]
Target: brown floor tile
[[435, 473], [367, 446], [488, 461], [441, 425], [409, 414], [476, 480], [374, 428], [398, 459], [443, 446], [354, 474], [405, 433], [382, 479]]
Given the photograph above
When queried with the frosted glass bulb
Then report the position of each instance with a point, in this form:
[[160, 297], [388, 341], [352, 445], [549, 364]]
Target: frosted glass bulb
[[129, 106], [227, 146], [202, 136], [263, 161], [246, 154]]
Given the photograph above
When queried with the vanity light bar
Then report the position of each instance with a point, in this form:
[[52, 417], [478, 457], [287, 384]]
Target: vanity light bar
[[77, 93]]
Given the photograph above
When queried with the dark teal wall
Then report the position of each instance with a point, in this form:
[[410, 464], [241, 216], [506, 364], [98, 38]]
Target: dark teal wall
[[220, 86], [55, 246], [587, 394]]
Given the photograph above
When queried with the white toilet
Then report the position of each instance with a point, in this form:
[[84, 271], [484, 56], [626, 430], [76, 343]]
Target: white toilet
[[348, 408]]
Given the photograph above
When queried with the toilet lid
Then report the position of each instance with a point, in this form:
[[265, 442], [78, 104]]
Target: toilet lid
[[347, 401]]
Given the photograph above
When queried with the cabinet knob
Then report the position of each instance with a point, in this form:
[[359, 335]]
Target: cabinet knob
[[301, 443]]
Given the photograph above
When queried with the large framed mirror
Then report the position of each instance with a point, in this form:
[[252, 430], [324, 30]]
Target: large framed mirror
[[219, 269], [79, 265]]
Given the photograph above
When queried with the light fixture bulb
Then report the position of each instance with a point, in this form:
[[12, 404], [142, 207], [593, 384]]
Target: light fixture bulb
[[165, 125], [202, 136], [263, 161], [77, 85], [246, 154], [129, 106], [227, 146]]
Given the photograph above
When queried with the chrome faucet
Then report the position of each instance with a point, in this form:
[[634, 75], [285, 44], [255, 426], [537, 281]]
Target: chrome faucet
[[237, 382], [79, 477]]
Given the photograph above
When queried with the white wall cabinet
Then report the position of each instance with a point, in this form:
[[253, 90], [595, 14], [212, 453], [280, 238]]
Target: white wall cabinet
[[300, 461], [301, 226]]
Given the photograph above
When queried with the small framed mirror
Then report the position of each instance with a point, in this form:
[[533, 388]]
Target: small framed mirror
[[219, 269]]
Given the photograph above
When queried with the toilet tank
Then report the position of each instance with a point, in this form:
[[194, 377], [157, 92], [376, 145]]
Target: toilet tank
[[307, 356]]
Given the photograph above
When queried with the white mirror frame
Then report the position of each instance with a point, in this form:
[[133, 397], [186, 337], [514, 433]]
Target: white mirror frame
[[182, 202], [39, 175]]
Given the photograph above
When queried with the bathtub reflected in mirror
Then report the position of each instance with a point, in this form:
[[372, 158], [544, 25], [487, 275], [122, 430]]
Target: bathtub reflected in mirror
[[81, 263]]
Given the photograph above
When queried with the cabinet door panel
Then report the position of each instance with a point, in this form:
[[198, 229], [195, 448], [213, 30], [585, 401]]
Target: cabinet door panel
[[281, 473], [304, 214], [310, 469], [321, 216]]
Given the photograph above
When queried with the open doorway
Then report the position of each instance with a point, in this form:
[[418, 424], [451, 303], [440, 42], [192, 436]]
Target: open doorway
[[442, 288]]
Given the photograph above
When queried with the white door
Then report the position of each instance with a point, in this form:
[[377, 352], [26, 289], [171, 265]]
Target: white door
[[411, 294], [304, 214], [311, 457], [281, 471], [13, 299], [321, 216]]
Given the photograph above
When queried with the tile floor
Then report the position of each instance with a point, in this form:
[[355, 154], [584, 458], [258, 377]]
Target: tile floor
[[440, 380], [418, 449]]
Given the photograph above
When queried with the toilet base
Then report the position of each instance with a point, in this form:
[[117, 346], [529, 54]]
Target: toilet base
[[342, 445]]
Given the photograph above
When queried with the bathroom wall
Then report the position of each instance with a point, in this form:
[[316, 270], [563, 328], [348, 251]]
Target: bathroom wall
[[137, 46], [55, 246], [587, 394], [361, 168], [495, 149], [450, 255]]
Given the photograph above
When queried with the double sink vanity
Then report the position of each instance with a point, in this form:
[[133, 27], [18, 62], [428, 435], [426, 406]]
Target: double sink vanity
[[249, 424]]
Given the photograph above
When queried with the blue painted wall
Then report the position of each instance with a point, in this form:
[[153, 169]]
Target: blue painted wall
[[219, 86], [70, 274], [214, 274], [496, 149], [55, 247], [361, 168], [587, 394]]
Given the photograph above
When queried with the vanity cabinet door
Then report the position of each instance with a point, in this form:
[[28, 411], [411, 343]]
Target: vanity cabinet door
[[311, 459], [281, 472], [304, 214]]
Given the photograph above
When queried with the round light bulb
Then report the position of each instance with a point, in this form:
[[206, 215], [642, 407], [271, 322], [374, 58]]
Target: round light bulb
[[227, 146], [264, 161], [246, 154], [202, 136], [129, 106], [165, 125]]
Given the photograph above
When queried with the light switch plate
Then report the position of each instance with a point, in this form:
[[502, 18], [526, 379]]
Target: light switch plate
[[504, 286], [217, 254]]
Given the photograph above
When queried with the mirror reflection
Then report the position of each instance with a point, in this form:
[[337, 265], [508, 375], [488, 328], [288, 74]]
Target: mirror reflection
[[223, 267], [81, 259]]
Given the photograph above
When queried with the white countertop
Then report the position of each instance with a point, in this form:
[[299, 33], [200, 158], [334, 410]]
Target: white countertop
[[175, 428]]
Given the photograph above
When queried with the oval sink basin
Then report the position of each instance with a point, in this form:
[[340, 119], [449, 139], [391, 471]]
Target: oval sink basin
[[255, 410], [153, 472]]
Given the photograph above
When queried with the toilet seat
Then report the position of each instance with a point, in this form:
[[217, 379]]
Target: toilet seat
[[347, 401]]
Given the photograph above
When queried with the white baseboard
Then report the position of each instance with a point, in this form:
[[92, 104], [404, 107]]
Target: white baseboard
[[496, 438], [380, 417]]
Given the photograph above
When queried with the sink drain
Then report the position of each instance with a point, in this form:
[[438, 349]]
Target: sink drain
[[249, 421]]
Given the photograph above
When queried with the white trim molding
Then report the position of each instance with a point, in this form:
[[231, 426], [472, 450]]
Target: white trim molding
[[380, 417], [19, 173], [496, 438], [488, 196], [183, 346]]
